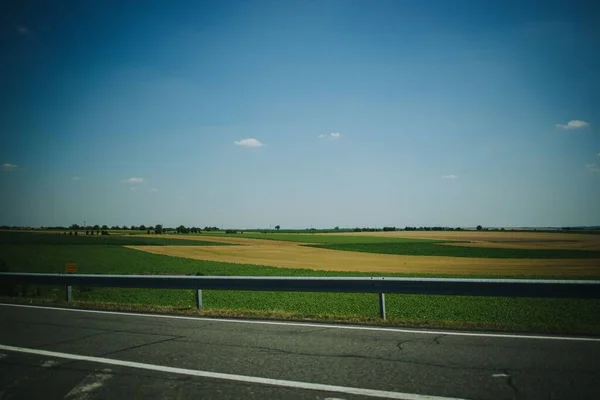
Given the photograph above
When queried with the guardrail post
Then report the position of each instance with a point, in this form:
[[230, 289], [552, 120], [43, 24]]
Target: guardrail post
[[199, 299], [69, 293], [382, 305]]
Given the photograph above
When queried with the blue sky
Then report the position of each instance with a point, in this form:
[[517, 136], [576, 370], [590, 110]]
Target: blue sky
[[300, 113]]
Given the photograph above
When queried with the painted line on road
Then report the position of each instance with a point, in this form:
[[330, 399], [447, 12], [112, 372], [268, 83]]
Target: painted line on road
[[89, 384], [231, 377], [315, 325]]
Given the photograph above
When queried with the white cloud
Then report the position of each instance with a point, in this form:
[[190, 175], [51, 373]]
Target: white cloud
[[331, 136], [592, 167], [451, 176], [9, 167], [250, 142], [135, 180], [76, 178], [154, 190], [574, 124]]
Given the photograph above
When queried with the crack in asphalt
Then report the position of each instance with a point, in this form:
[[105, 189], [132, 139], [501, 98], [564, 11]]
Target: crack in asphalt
[[403, 361], [435, 339], [71, 340], [172, 338]]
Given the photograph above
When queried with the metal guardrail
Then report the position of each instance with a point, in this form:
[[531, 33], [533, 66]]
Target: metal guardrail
[[583, 289]]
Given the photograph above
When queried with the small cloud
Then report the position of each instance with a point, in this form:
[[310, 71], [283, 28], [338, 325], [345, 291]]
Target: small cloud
[[23, 30], [449, 176], [250, 142], [76, 178], [9, 167], [592, 167], [135, 180], [598, 155], [154, 190], [331, 136], [574, 124]]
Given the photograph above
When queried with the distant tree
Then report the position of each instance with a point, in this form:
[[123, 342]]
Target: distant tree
[[479, 227], [104, 228], [115, 228], [133, 228], [74, 227], [142, 227], [158, 229], [96, 227], [277, 227], [337, 228]]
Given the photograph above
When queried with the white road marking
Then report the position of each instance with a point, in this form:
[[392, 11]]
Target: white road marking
[[49, 363], [92, 382], [315, 325], [231, 377], [500, 376]]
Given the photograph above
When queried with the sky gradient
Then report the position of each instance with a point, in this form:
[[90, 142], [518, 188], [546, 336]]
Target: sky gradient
[[246, 114]]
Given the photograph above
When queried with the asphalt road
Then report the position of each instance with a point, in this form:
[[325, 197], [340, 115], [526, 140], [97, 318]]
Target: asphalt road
[[69, 354]]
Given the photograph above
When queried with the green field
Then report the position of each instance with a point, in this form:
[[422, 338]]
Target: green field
[[436, 249], [554, 315], [415, 247], [52, 239], [321, 239]]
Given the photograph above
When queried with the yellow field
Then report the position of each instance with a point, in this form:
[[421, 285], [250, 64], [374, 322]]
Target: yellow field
[[293, 255]]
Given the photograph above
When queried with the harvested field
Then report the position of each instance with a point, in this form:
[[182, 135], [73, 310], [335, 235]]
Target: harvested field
[[296, 256]]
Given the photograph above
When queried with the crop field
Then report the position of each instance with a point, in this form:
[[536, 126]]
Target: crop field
[[32, 253], [362, 253], [52, 239], [449, 249]]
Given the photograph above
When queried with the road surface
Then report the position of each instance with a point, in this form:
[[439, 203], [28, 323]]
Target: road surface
[[54, 353]]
